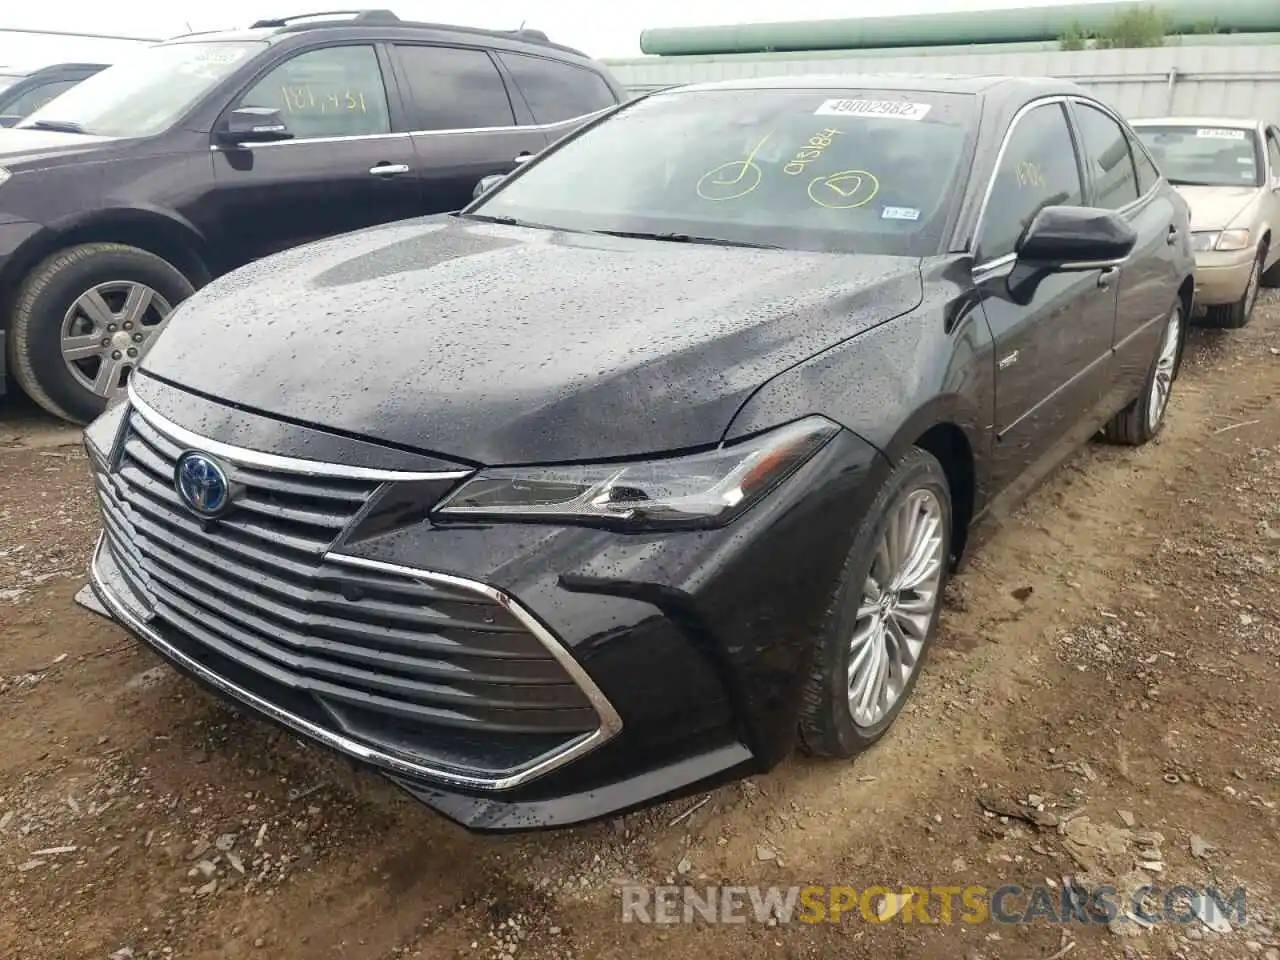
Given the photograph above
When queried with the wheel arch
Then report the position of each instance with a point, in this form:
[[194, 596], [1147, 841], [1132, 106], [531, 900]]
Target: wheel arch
[[164, 234]]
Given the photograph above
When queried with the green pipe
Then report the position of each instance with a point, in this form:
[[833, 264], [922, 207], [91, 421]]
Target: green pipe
[[1008, 25]]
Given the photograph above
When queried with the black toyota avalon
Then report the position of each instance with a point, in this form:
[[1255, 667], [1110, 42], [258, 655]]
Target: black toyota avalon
[[652, 462]]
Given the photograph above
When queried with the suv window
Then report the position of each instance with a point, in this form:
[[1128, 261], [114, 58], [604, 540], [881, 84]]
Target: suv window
[[1038, 169], [332, 92], [31, 100], [557, 91], [453, 88], [1107, 150]]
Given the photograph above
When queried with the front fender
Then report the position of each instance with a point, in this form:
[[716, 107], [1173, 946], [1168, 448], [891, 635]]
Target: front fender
[[893, 383]]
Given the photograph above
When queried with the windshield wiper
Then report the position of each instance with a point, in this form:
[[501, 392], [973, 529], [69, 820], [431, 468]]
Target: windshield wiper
[[687, 238], [61, 126], [505, 221], [1175, 181]]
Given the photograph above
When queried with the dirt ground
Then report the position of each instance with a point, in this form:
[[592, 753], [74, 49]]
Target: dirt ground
[[1108, 663]]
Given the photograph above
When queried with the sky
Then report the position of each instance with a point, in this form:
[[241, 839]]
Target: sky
[[600, 29]]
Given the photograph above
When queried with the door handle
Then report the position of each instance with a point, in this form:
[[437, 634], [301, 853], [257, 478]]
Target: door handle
[[1172, 236], [389, 169], [1105, 278], [523, 157]]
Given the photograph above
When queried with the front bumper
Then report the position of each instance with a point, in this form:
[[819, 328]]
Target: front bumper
[[1221, 278], [692, 647]]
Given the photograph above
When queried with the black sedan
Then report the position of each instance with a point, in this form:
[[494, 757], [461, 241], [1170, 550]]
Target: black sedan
[[654, 460]]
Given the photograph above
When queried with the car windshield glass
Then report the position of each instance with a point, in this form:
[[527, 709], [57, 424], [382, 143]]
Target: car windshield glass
[[850, 171], [145, 93], [1205, 156]]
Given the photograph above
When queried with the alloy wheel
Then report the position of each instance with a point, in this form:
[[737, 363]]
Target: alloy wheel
[[108, 330], [1162, 382], [896, 610]]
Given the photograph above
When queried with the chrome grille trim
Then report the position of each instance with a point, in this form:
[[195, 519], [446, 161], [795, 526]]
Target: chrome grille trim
[[273, 462], [289, 616]]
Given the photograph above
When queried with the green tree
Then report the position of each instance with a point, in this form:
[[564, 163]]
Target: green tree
[[1138, 27]]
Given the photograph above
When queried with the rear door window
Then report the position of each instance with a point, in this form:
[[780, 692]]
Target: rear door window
[[557, 91], [32, 100], [331, 92], [454, 88], [1115, 182]]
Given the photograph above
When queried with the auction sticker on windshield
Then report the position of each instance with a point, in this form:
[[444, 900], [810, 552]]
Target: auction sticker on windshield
[[886, 109], [1215, 134]]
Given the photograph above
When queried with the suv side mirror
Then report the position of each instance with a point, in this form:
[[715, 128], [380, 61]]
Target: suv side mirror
[[255, 125], [486, 184], [1063, 239]]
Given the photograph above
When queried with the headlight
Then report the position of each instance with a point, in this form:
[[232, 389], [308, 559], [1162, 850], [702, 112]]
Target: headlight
[[702, 490], [1203, 241], [1233, 240]]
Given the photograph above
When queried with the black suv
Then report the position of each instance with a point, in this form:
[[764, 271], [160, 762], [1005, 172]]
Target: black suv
[[199, 154], [28, 94]]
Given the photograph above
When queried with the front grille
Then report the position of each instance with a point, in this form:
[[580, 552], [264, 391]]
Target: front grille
[[428, 669]]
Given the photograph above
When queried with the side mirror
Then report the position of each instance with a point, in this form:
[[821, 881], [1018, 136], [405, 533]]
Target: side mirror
[[1068, 240], [486, 184], [255, 125]]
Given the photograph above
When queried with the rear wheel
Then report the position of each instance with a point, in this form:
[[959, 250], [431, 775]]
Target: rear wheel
[[84, 319], [1233, 316], [884, 613], [1139, 422]]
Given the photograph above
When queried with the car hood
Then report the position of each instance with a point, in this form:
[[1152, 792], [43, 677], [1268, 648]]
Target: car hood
[[500, 344], [1216, 208], [35, 146]]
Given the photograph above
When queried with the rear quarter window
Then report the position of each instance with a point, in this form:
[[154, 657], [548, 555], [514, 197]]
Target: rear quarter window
[[557, 91]]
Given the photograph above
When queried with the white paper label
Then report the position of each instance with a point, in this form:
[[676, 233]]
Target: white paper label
[[881, 109], [900, 213], [1220, 134]]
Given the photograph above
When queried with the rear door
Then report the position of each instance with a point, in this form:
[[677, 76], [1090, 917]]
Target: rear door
[[1147, 283], [463, 121], [1052, 354], [560, 96], [350, 164]]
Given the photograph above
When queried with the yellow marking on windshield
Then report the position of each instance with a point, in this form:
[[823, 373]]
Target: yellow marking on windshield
[[747, 179], [846, 190], [810, 151]]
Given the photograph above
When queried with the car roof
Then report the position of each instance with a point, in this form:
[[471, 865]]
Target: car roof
[[1228, 122], [355, 24], [977, 84]]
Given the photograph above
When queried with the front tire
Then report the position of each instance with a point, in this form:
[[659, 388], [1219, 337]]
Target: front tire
[[1139, 422], [884, 614], [1233, 316], [83, 320]]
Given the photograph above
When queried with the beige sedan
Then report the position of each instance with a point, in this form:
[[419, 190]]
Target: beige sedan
[[1229, 172]]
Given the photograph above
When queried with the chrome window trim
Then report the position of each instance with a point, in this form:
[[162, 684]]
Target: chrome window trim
[[1025, 109], [275, 463], [397, 134], [610, 722], [1124, 128]]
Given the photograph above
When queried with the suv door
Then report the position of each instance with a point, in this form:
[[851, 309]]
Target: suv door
[[560, 96], [1147, 282], [1051, 355], [345, 167], [463, 122]]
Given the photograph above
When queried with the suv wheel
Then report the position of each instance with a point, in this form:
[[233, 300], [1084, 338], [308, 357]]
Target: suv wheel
[[1233, 316], [1141, 420], [84, 319], [884, 614]]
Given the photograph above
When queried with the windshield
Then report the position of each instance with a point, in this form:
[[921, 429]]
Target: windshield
[[1205, 156], [146, 93], [850, 171]]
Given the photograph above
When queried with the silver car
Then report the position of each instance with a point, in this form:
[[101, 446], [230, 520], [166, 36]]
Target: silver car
[[1229, 172]]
